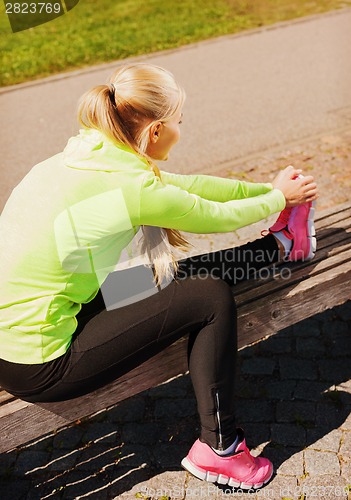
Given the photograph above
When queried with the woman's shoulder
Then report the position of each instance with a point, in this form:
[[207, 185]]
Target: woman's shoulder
[[92, 150]]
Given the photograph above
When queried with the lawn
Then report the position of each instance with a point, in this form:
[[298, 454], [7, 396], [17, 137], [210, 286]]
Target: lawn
[[97, 31]]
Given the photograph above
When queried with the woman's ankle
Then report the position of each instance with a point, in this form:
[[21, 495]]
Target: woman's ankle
[[284, 245]]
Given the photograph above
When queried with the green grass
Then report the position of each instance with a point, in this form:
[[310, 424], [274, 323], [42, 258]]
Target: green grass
[[97, 31]]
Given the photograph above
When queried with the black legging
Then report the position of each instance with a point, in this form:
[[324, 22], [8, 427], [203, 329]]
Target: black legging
[[108, 344]]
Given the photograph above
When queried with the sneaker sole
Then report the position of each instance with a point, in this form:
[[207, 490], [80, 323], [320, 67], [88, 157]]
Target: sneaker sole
[[311, 236], [212, 477]]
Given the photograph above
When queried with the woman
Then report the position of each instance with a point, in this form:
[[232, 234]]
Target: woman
[[65, 226]]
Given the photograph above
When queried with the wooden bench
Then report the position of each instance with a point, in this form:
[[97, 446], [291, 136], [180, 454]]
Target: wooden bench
[[265, 306]]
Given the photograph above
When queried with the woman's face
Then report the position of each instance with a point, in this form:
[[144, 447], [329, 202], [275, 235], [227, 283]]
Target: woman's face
[[163, 136]]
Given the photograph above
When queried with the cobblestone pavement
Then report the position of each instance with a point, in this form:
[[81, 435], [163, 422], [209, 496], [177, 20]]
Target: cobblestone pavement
[[294, 398]]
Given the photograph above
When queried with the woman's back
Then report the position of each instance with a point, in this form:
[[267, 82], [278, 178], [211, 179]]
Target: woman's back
[[61, 233]]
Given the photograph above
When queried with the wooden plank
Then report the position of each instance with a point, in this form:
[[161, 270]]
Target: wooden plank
[[335, 219], [26, 424], [332, 212], [326, 235], [293, 304], [12, 407], [299, 273], [5, 397], [333, 238]]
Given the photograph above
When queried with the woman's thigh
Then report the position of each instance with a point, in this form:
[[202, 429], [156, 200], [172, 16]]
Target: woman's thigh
[[111, 343], [110, 337]]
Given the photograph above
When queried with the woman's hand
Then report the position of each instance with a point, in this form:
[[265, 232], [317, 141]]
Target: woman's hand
[[296, 188]]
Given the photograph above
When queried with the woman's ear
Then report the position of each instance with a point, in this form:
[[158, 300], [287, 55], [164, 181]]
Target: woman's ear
[[155, 131]]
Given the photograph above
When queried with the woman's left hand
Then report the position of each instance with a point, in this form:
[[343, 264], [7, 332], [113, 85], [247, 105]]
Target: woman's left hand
[[296, 188]]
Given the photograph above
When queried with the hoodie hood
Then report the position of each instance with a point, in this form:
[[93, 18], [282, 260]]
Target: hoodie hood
[[92, 150]]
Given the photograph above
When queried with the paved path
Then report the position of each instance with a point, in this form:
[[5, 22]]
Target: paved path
[[294, 389], [246, 93]]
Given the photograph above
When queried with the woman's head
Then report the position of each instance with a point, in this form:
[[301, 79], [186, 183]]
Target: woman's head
[[140, 107]]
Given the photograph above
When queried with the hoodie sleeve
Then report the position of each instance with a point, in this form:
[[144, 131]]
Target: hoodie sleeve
[[170, 206], [216, 188]]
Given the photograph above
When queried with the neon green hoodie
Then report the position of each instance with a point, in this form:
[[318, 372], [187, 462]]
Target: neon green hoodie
[[64, 227]]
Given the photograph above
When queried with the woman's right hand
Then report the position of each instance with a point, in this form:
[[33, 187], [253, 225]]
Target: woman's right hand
[[296, 188]]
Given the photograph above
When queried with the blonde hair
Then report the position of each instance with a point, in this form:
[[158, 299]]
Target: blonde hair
[[137, 96]]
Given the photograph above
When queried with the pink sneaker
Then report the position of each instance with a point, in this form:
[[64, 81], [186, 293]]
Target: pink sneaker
[[302, 231], [240, 470], [282, 221], [297, 224]]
